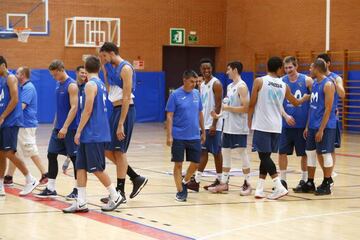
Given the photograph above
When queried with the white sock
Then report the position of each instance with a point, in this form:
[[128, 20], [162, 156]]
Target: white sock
[[81, 195], [198, 176], [51, 184], [260, 185], [283, 174], [112, 191], [304, 176], [219, 176], [184, 182], [29, 178], [277, 182], [247, 177], [225, 177]]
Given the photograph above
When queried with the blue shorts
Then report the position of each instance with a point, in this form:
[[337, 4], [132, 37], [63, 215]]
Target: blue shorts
[[115, 144], [327, 143], [65, 146], [8, 138], [290, 138], [191, 147], [234, 141], [91, 157], [212, 143], [266, 142], [338, 135]]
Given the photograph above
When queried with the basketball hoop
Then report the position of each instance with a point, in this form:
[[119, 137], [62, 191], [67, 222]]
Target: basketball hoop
[[22, 34]]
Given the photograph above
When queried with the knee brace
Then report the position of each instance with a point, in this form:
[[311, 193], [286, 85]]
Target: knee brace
[[311, 158], [226, 152], [328, 160], [243, 156]]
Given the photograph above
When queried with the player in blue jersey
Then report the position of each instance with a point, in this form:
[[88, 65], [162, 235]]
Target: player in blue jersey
[[320, 137], [62, 138], [184, 119], [339, 93], [26, 145], [92, 134], [120, 81], [11, 118], [292, 135]]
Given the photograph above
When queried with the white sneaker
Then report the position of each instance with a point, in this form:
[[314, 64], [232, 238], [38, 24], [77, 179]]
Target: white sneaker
[[245, 189], [2, 191], [259, 194], [112, 205], [278, 192], [75, 207], [29, 187]]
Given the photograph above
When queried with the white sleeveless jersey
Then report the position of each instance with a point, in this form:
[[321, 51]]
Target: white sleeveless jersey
[[267, 115], [116, 93], [235, 123], [208, 101]]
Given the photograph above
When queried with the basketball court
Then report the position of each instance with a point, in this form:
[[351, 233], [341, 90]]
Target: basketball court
[[34, 32]]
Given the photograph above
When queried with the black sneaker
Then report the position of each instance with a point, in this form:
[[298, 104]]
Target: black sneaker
[[308, 187], [283, 182], [193, 185], [73, 195], [182, 196], [214, 184], [323, 189], [106, 199], [46, 193], [138, 183], [8, 181], [298, 188]]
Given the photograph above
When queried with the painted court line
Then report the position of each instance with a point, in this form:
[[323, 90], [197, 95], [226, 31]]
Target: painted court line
[[132, 226]]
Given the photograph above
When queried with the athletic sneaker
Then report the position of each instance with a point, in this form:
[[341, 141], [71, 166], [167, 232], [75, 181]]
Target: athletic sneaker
[[8, 181], [46, 193], [29, 187], [283, 182], [323, 189], [44, 179], [73, 195], [76, 208], [308, 187], [138, 183], [2, 191], [106, 199], [298, 188], [182, 196], [278, 193], [112, 205], [216, 182], [331, 182], [193, 185], [259, 194], [222, 187], [245, 189]]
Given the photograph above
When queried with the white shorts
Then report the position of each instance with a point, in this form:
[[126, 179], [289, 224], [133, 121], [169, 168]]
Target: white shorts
[[26, 144]]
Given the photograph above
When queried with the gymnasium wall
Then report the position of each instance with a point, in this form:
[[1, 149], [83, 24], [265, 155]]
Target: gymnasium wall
[[277, 26]]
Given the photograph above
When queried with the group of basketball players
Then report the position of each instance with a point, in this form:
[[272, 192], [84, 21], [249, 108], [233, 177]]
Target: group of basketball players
[[82, 130], [306, 120]]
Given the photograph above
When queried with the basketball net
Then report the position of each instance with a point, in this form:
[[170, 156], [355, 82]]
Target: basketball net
[[22, 34]]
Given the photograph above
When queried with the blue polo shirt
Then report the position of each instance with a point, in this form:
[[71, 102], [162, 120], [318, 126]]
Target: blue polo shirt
[[29, 97]]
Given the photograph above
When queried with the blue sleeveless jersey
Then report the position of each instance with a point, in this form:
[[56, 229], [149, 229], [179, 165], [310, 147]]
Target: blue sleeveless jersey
[[317, 106], [333, 77], [63, 104], [15, 118], [80, 103], [114, 77], [97, 128], [300, 113]]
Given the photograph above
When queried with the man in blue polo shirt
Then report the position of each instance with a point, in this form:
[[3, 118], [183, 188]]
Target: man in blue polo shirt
[[184, 118]]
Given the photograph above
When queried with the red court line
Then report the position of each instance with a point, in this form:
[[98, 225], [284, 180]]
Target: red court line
[[348, 155], [107, 219]]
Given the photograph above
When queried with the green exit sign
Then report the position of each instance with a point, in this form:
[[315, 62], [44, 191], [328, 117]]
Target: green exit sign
[[177, 36], [192, 38]]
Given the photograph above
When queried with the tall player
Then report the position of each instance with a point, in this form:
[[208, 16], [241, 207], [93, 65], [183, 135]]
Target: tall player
[[234, 139], [121, 82], [211, 92], [92, 134], [26, 145], [265, 111], [292, 136], [11, 118], [62, 137], [320, 140]]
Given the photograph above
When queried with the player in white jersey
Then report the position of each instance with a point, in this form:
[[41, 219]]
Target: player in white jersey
[[265, 118], [211, 92], [234, 141]]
